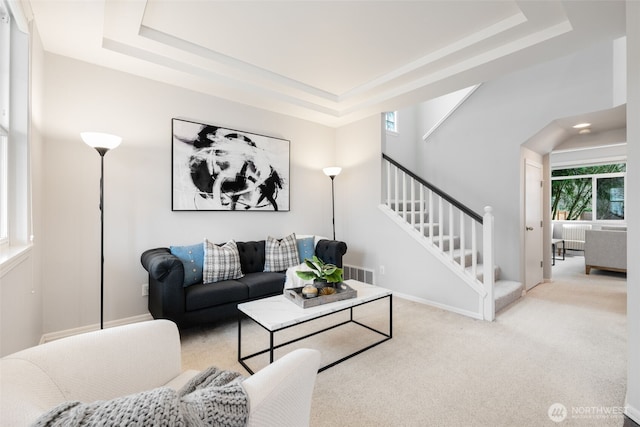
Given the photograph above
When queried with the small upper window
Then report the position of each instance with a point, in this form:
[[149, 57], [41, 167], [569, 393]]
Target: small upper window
[[391, 121]]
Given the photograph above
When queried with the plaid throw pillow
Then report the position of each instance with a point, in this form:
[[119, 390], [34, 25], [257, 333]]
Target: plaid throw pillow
[[281, 254], [221, 262]]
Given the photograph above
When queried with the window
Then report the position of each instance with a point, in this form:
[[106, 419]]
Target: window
[[578, 193], [391, 121], [610, 198], [15, 204], [4, 188], [5, 31]]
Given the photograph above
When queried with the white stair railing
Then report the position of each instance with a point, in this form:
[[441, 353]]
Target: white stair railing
[[441, 214]]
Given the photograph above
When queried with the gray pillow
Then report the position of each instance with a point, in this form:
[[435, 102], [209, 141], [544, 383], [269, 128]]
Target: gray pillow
[[281, 254], [221, 262]]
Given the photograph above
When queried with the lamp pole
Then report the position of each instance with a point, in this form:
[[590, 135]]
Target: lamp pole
[[332, 172], [102, 143], [102, 152], [333, 208]]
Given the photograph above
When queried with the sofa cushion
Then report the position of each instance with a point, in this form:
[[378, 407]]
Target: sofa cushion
[[221, 262], [205, 296], [192, 257], [251, 256], [281, 254], [264, 283]]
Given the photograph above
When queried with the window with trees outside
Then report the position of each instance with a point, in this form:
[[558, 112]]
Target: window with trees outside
[[589, 193]]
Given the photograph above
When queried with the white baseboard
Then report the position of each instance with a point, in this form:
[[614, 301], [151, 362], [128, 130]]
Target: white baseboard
[[456, 310], [633, 413], [52, 336]]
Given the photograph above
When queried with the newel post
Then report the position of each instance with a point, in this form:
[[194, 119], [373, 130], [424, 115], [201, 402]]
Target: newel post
[[487, 262]]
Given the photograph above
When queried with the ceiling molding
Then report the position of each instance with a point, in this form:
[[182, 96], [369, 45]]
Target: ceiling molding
[[176, 42]]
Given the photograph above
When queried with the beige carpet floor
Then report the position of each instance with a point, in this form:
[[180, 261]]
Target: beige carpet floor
[[563, 343]]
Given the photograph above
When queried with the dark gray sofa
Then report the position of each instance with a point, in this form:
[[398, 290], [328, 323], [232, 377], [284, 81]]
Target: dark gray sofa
[[199, 303]]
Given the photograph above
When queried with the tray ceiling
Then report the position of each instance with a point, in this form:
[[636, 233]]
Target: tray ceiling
[[329, 62]]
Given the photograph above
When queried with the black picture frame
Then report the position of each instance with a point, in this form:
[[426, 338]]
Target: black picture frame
[[215, 168]]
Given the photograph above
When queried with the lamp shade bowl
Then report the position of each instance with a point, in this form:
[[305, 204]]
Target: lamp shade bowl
[[332, 171], [101, 140]]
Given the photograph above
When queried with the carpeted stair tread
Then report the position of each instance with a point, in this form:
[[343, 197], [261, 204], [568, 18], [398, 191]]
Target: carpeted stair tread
[[445, 241], [480, 272], [436, 230], [505, 292]]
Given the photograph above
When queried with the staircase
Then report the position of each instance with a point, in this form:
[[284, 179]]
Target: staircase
[[460, 238]]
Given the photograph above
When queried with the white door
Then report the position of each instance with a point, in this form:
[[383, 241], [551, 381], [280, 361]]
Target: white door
[[533, 224]]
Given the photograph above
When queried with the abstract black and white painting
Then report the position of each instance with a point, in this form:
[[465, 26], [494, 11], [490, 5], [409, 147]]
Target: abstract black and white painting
[[220, 169]]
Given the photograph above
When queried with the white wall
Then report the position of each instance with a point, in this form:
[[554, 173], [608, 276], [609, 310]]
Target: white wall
[[138, 215], [475, 155], [633, 209], [620, 71], [572, 157], [401, 146]]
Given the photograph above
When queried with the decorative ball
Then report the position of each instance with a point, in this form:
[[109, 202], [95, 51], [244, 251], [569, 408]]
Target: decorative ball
[[310, 291]]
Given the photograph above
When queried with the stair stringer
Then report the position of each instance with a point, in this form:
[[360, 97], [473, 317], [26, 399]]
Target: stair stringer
[[465, 276]]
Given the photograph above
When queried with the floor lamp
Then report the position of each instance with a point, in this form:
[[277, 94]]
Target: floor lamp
[[332, 172], [102, 142]]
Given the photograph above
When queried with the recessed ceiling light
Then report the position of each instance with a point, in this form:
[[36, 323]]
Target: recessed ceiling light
[[584, 131], [581, 125]]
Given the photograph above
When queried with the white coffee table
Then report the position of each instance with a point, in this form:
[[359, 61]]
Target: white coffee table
[[277, 313]]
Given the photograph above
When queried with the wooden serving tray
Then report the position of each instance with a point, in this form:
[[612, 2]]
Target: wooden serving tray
[[343, 291]]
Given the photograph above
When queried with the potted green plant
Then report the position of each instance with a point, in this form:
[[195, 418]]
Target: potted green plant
[[320, 272]]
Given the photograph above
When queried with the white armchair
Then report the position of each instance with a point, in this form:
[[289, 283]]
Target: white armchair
[[605, 250], [128, 359]]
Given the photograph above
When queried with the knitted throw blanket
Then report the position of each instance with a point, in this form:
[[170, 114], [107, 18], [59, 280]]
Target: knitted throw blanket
[[212, 398]]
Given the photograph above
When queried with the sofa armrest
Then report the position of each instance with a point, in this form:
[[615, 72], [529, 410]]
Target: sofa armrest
[[280, 394], [331, 251], [166, 283], [97, 365], [161, 264]]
